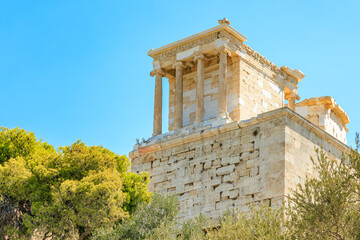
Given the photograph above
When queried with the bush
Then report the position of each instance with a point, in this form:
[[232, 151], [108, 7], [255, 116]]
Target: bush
[[145, 219]]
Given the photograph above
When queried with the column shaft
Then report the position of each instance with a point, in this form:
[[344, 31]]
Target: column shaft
[[200, 91], [157, 129], [291, 103], [222, 108], [179, 97]]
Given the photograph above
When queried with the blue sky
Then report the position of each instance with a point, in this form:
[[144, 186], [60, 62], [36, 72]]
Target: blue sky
[[79, 69]]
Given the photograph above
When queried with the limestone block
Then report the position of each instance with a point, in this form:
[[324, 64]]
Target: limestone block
[[216, 163], [243, 172], [234, 193], [207, 148], [216, 146], [146, 166], [225, 170], [254, 154], [161, 185], [247, 147], [207, 165], [230, 160], [224, 187], [209, 207], [225, 194], [136, 168], [215, 182], [157, 170], [245, 156], [180, 189], [230, 177], [198, 200], [225, 204], [158, 178], [250, 163]]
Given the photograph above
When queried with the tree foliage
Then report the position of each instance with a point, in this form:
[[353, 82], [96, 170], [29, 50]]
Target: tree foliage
[[327, 207], [261, 222], [146, 218], [66, 193]]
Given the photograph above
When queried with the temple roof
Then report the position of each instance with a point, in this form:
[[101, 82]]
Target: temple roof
[[223, 25]]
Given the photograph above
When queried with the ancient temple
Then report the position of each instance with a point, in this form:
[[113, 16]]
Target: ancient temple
[[236, 134]]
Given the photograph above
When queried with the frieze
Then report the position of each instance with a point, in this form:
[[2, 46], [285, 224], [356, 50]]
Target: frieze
[[201, 41], [257, 56], [227, 35]]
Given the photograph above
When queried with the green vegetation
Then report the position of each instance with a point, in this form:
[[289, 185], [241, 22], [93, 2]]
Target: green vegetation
[[66, 193], [82, 192], [145, 219], [328, 207]]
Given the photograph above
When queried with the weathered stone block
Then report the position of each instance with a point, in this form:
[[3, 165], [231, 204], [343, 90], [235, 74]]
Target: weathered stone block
[[224, 187], [225, 170]]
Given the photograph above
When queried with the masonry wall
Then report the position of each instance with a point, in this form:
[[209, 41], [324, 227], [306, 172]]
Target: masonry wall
[[301, 143], [215, 173], [325, 118], [335, 127], [259, 92], [236, 164]]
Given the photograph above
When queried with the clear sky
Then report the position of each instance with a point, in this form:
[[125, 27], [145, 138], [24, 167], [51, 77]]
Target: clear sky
[[74, 70]]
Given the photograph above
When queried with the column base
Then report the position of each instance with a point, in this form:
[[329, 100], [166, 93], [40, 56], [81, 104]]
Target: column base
[[198, 123], [224, 115], [221, 119]]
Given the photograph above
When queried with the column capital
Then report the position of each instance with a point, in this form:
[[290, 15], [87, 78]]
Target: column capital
[[157, 72], [290, 95], [223, 49], [199, 57], [179, 64]]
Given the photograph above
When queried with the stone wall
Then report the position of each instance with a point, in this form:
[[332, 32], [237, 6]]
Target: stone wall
[[325, 113], [258, 90], [213, 169]]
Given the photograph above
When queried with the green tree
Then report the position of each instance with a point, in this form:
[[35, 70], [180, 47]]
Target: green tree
[[19, 153], [16, 142], [146, 218], [65, 194], [327, 207]]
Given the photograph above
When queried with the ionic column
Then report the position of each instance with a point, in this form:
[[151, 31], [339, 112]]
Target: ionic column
[[178, 121], [291, 101], [157, 127], [222, 104], [199, 88]]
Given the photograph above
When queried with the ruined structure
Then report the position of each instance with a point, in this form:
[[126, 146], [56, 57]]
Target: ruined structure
[[231, 138]]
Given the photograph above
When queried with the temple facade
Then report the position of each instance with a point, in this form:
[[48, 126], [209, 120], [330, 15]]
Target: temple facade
[[236, 132]]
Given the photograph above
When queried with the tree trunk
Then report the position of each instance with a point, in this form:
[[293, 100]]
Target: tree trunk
[[84, 234]]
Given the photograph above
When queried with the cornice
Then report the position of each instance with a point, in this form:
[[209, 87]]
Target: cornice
[[194, 40], [257, 56]]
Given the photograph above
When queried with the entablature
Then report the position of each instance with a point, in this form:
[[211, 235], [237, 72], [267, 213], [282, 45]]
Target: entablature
[[207, 44]]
